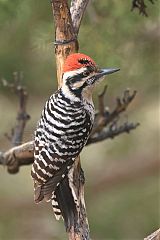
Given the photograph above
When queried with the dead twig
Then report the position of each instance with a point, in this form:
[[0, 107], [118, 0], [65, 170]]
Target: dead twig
[[16, 86], [112, 131], [141, 6], [77, 10], [104, 117]]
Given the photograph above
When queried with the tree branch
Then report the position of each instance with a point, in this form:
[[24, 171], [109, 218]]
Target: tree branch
[[112, 131], [65, 44], [154, 236], [17, 156], [141, 6], [104, 117], [77, 10], [65, 38], [16, 135]]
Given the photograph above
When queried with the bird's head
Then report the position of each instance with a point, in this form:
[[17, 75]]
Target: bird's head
[[80, 74]]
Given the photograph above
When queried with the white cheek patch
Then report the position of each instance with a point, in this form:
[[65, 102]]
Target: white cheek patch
[[77, 85], [68, 93]]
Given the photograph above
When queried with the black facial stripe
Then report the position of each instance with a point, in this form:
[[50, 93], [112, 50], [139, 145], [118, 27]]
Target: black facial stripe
[[79, 76], [75, 78], [77, 92]]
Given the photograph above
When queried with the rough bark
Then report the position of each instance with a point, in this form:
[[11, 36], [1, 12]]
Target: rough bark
[[65, 44], [65, 40], [17, 156]]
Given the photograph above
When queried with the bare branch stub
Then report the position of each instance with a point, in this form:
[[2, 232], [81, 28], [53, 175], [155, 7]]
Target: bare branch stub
[[112, 131], [16, 135], [122, 104], [106, 122]]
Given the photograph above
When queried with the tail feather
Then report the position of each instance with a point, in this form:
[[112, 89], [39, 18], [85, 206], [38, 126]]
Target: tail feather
[[56, 208], [66, 204], [46, 189], [62, 196], [38, 194]]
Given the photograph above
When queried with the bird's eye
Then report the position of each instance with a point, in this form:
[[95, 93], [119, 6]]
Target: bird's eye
[[86, 73]]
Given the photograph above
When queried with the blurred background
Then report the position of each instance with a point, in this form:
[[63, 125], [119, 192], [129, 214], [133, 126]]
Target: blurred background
[[121, 174]]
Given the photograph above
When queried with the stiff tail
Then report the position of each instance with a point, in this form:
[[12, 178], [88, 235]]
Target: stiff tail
[[64, 204], [56, 208], [60, 191]]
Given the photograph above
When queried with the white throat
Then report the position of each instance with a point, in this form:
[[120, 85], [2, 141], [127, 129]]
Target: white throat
[[68, 94]]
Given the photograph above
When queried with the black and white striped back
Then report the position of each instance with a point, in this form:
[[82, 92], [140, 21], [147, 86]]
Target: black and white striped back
[[61, 134]]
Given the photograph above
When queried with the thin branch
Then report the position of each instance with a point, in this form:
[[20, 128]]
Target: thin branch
[[112, 131], [141, 6], [77, 10], [154, 236], [103, 117], [16, 135], [122, 105]]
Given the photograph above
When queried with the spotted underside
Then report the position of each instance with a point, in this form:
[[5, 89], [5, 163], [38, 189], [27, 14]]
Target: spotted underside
[[61, 134]]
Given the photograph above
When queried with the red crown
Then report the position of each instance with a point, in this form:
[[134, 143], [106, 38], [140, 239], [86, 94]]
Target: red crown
[[76, 61]]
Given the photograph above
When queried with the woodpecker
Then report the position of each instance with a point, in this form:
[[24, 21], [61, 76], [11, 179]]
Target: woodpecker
[[62, 132]]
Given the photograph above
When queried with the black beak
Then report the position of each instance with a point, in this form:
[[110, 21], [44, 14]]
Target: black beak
[[100, 74], [103, 72]]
